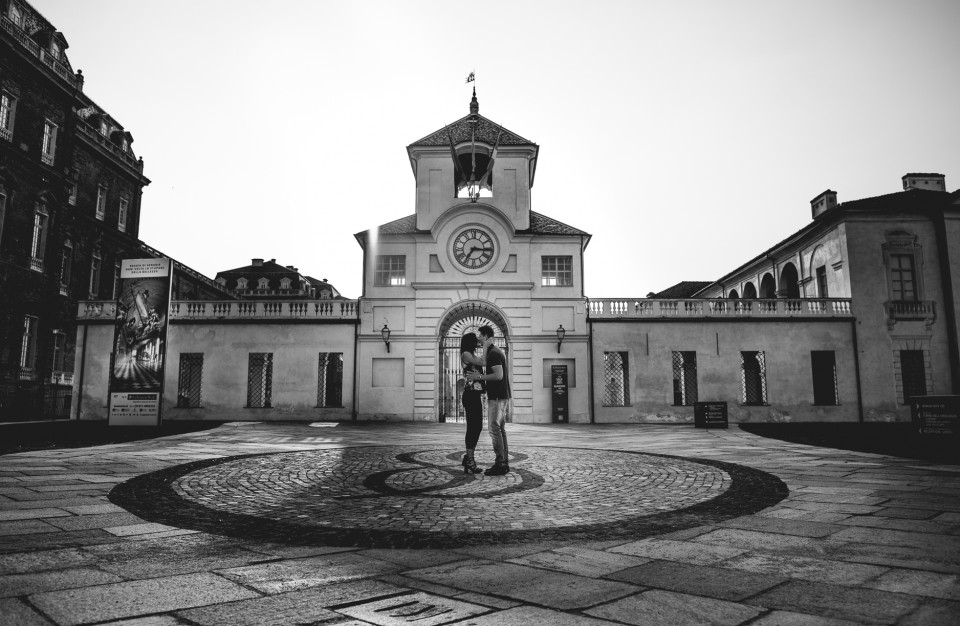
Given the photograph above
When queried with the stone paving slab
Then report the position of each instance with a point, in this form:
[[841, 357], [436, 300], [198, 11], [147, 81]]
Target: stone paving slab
[[104, 602], [852, 537]]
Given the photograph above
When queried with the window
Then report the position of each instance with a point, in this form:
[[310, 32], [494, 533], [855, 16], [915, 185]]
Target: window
[[122, 215], [259, 380], [49, 147], [116, 280], [39, 242], [104, 128], [95, 265], [8, 108], [616, 392], [190, 387], [66, 267], [913, 374], [59, 351], [101, 202], [28, 348], [55, 50], [822, 290], [557, 271], [903, 277], [754, 378], [284, 283], [684, 378], [330, 380], [824, 366], [241, 283], [15, 15], [263, 283], [72, 194], [390, 271]]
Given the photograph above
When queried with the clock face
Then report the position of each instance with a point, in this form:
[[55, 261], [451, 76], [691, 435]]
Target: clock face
[[473, 248]]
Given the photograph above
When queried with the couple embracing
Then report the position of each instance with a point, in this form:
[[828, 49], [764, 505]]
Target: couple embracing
[[497, 385]]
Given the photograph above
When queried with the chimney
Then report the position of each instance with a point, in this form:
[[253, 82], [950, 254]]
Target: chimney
[[930, 182], [258, 262], [273, 260], [824, 202]]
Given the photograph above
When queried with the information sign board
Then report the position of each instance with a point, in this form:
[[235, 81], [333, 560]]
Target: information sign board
[[710, 414], [561, 401]]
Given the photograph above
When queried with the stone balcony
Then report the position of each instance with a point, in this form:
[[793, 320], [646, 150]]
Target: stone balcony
[[652, 308]]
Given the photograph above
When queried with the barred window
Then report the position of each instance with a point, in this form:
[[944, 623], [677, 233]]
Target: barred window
[[913, 374], [556, 271], [330, 380], [390, 270], [190, 387], [824, 365], [684, 378], [616, 391], [754, 378], [259, 380]]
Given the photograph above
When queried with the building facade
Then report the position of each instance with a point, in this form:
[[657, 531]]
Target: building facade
[[70, 195], [843, 321]]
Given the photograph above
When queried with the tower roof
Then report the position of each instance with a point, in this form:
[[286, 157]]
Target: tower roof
[[460, 131]]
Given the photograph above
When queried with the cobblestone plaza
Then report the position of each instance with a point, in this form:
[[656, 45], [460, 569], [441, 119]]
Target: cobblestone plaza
[[279, 523]]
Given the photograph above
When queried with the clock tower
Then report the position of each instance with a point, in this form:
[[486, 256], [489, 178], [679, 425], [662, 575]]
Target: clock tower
[[473, 253]]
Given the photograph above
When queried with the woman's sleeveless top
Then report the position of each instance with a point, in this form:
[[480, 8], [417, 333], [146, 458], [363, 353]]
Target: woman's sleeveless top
[[475, 386]]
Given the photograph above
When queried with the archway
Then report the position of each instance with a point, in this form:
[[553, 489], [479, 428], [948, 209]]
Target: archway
[[789, 282], [733, 295], [768, 287], [749, 292], [463, 318]]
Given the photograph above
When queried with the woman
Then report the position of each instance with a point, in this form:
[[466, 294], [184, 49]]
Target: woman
[[472, 406]]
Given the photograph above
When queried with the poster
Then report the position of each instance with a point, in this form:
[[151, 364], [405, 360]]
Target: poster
[[139, 344]]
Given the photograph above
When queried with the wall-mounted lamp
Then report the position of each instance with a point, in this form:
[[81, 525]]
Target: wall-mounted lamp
[[561, 333], [385, 335]]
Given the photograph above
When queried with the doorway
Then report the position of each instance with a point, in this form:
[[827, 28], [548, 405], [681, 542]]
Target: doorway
[[465, 318]]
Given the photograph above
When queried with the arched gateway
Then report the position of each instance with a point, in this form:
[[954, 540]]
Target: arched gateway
[[463, 318]]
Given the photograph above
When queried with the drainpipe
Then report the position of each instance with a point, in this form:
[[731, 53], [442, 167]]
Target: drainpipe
[[590, 369], [856, 370], [949, 311], [83, 363]]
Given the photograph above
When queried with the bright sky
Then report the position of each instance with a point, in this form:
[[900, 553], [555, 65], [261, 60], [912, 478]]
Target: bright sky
[[687, 137]]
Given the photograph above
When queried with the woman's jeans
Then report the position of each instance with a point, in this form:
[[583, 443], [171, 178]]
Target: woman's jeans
[[473, 410], [498, 411]]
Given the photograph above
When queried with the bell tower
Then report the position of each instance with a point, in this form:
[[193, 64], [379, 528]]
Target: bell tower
[[473, 160]]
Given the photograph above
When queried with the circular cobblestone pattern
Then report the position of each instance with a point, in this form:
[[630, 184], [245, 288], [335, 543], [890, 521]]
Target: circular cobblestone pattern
[[398, 497]]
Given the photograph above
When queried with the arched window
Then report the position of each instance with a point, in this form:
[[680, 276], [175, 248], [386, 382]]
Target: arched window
[[733, 295], [749, 292]]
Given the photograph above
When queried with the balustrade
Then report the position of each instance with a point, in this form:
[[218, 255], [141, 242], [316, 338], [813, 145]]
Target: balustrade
[[698, 307]]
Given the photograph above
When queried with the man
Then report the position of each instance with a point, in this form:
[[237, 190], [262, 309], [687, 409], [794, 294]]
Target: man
[[498, 400]]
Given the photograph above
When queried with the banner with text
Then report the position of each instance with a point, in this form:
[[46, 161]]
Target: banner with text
[[140, 342]]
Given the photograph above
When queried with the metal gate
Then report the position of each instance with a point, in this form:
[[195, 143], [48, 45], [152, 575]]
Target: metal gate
[[451, 371]]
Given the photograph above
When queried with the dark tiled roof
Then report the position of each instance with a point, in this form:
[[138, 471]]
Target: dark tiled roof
[[268, 267], [902, 200], [539, 225], [683, 289], [460, 131]]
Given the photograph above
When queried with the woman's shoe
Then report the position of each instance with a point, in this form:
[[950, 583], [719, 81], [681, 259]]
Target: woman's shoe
[[470, 465]]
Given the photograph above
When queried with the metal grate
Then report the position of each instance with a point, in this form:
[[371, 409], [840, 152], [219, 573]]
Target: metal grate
[[824, 366], [330, 380], [684, 378], [754, 379], [190, 387], [259, 380], [615, 376], [913, 374]]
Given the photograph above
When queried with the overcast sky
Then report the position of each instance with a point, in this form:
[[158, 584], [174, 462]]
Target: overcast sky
[[686, 136]]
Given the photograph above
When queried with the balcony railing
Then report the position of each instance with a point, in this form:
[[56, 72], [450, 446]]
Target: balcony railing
[[96, 137], [246, 309], [61, 378], [33, 48], [236, 310], [649, 308], [910, 310], [36, 264]]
